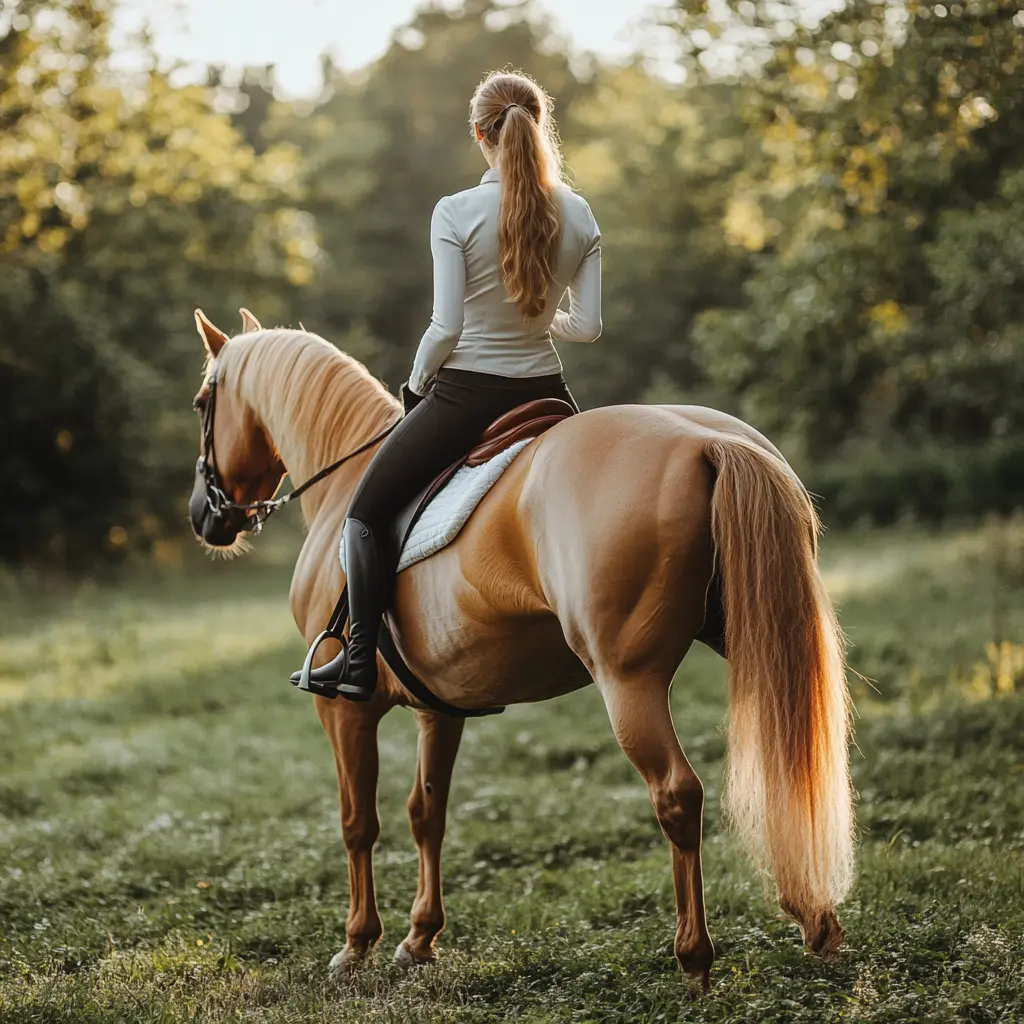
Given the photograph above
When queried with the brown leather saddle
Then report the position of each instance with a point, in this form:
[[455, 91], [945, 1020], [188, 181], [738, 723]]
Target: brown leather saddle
[[528, 420]]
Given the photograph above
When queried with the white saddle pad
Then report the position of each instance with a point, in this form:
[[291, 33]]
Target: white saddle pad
[[451, 507]]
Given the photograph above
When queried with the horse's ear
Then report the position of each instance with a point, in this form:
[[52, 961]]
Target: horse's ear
[[249, 322], [213, 338]]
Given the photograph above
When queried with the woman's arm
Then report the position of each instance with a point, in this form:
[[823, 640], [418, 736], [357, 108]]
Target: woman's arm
[[449, 295], [583, 320]]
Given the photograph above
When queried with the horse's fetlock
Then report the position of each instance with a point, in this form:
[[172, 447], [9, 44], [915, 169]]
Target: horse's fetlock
[[364, 933], [823, 934], [428, 923], [696, 956]]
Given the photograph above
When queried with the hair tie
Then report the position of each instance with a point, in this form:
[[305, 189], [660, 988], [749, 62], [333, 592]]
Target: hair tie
[[497, 123]]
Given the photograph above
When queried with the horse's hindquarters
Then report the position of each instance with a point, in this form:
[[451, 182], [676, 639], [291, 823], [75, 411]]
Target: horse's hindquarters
[[619, 518]]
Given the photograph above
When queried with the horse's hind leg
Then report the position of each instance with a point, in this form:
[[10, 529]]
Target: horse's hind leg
[[428, 807], [640, 715]]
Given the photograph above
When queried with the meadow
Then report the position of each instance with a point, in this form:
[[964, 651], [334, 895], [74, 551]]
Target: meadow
[[170, 847]]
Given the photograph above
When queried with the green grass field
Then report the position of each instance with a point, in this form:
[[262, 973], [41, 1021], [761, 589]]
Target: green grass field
[[170, 847]]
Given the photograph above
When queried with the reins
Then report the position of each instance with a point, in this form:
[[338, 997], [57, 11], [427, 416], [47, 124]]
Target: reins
[[218, 501]]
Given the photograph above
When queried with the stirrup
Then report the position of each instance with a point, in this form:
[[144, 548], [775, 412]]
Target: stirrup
[[322, 681], [329, 673], [353, 692]]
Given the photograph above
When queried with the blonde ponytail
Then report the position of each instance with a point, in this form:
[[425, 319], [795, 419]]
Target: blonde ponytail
[[513, 114]]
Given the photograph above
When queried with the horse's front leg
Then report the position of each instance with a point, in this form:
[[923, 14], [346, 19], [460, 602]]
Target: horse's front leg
[[428, 807], [352, 730]]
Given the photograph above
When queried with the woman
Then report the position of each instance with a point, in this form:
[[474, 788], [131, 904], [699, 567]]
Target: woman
[[504, 254]]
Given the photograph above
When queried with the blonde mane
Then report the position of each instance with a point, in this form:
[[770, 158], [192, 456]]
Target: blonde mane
[[308, 393]]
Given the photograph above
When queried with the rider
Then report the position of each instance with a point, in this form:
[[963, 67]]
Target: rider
[[504, 254]]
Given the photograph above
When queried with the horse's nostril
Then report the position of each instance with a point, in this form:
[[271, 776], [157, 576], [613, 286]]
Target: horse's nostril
[[217, 531]]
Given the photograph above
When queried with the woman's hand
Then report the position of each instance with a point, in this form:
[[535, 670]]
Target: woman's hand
[[409, 398]]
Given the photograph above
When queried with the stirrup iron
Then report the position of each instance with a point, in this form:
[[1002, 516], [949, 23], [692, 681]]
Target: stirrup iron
[[322, 681]]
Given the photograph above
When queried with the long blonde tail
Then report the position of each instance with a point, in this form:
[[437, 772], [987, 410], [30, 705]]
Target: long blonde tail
[[788, 792]]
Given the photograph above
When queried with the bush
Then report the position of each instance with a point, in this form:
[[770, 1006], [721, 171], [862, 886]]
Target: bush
[[930, 483]]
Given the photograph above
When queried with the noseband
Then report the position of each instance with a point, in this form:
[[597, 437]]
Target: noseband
[[256, 512]]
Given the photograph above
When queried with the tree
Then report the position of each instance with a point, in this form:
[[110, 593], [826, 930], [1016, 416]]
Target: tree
[[883, 128], [656, 161], [123, 203]]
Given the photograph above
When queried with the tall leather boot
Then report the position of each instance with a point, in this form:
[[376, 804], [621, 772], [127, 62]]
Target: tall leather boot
[[367, 595]]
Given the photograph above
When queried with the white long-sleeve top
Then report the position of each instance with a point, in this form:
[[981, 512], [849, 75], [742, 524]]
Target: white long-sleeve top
[[474, 324]]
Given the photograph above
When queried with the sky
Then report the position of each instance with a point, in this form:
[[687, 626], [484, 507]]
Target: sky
[[292, 33]]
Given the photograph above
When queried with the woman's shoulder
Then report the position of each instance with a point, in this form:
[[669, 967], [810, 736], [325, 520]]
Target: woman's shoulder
[[467, 202], [575, 209]]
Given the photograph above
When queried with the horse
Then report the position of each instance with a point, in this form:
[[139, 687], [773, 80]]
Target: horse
[[593, 559]]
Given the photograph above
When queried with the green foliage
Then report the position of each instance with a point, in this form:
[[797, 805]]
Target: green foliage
[[170, 848], [120, 210], [656, 163], [821, 230], [927, 482], [887, 303]]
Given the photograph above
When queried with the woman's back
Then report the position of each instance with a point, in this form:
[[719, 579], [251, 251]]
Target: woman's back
[[489, 314], [506, 251], [472, 308]]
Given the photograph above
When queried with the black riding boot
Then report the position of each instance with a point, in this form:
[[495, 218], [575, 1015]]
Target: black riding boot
[[367, 595]]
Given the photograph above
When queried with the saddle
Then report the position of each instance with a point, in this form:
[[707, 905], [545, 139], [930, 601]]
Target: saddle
[[525, 421], [528, 420]]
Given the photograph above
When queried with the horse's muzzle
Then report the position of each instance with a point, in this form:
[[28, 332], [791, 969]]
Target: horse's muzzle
[[219, 529]]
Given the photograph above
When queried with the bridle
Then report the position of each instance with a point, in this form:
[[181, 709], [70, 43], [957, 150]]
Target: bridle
[[256, 512]]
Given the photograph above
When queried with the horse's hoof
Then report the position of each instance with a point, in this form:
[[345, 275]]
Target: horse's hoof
[[823, 934], [343, 964], [826, 939], [405, 958], [696, 963]]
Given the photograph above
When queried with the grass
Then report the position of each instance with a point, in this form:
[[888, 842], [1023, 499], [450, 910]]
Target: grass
[[170, 847]]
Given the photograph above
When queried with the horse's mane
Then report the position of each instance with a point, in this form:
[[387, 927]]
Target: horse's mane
[[309, 394]]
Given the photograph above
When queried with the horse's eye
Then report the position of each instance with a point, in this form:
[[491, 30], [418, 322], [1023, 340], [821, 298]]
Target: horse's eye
[[198, 403]]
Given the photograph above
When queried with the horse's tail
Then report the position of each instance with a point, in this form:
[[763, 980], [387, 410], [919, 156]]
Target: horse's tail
[[788, 790]]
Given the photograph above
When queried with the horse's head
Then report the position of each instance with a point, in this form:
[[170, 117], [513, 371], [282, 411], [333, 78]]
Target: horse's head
[[238, 463]]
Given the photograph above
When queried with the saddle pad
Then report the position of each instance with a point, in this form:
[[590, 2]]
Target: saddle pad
[[440, 522]]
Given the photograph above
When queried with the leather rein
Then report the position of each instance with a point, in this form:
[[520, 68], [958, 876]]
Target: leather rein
[[256, 512]]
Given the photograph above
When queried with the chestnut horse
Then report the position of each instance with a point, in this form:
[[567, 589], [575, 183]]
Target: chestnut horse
[[591, 560]]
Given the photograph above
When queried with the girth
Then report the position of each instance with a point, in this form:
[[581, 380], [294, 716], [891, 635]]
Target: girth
[[394, 660]]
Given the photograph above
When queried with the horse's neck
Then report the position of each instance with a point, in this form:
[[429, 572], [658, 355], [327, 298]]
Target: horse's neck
[[333, 420]]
